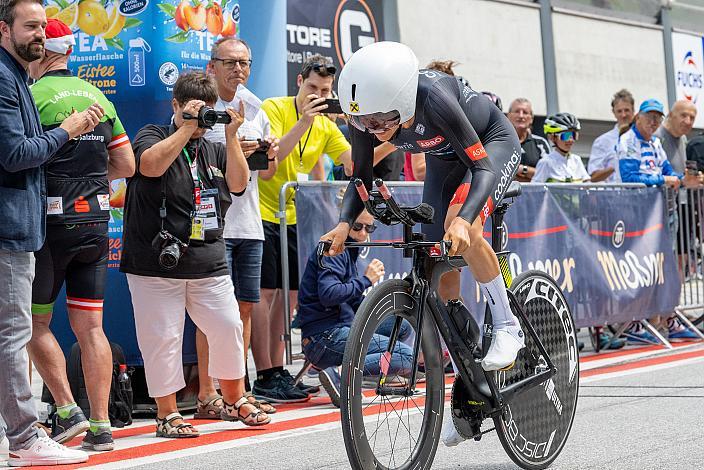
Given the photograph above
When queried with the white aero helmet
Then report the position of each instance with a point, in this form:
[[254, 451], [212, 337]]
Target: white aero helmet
[[378, 86]]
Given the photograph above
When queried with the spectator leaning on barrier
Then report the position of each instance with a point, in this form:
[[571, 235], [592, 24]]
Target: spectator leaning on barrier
[[76, 247], [174, 252], [533, 147], [673, 133], [561, 165], [230, 65], [603, 161], [642, 159], [25, 148], [327, 301], [305, 135]]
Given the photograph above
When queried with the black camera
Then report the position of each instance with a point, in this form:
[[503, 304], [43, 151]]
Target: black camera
[[208, 117], [170, 249], [259, 159]]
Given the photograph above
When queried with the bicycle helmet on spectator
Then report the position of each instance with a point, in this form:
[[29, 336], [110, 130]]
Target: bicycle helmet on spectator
[[378, 86], [561, 122]]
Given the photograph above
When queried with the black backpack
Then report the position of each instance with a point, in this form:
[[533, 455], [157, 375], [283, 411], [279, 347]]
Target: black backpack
[[121, 396]]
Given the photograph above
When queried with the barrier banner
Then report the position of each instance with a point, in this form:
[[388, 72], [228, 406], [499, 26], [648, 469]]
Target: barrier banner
[[333, 28], [608, 248]]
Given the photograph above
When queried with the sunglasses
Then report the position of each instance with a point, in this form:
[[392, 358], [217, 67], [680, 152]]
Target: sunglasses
[[568, 136], [357, 226], [376, 123], [321, 69]]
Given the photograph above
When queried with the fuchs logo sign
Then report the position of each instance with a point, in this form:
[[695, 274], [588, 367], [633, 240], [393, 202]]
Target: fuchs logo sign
[[619, 234], [689, 77], [435, 141]]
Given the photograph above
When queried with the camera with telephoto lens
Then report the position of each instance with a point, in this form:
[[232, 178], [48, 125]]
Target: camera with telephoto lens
[[170, 249], [208, 117], [259, 159]]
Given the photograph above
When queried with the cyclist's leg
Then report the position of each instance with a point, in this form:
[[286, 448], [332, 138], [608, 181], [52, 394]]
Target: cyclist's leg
[[508, 337], [43, 348], [442, 178], [85, 286]]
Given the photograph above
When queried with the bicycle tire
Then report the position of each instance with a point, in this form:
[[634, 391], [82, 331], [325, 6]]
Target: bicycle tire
[[537, 423], [390, 298]]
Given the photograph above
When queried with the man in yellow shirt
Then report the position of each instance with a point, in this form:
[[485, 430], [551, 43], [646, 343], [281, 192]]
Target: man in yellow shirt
[[305, 134]]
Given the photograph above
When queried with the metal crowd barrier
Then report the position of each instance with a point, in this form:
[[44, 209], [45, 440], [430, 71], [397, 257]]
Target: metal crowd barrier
[[685, 209]]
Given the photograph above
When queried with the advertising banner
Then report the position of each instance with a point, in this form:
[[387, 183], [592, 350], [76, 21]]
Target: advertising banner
[[688, 57], [609, 249], [333, 28]]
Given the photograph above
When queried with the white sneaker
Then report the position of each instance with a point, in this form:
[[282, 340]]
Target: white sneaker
[[504, 348], [449, 435], [45, 451]]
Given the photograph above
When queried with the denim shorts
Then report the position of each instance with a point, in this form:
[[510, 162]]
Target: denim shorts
[[244, 258]]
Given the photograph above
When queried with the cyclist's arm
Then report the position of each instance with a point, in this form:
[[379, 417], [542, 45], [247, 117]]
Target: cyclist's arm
[[382, 151], [363, 162], [446, 113]]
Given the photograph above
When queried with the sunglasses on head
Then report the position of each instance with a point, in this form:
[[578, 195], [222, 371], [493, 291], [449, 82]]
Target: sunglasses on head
[[567, 136], [357, 226], [321, 69]]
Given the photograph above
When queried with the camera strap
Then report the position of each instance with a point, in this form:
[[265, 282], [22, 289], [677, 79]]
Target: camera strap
[[305, 144]]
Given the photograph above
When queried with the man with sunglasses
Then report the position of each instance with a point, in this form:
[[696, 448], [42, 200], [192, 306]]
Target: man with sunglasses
[[327, 302], [467, 140], [561, 165], [305, 135]]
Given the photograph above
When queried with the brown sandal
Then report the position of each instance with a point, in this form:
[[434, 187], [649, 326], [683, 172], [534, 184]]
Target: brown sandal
[[209, 408], [232, 413], [265, 406], [166, 428]]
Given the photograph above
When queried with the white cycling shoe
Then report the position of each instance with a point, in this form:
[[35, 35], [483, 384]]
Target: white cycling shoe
[[504, 348], [449, 435]]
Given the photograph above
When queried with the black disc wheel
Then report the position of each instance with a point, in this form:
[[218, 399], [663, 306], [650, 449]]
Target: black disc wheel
[[535, 426]]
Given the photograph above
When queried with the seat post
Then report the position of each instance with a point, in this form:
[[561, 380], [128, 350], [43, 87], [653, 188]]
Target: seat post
[[407, 238]]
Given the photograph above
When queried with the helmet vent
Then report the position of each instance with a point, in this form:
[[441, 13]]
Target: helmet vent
[[354, 91]]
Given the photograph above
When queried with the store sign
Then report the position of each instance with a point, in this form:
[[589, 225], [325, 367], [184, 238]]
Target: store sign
[[336, 29]]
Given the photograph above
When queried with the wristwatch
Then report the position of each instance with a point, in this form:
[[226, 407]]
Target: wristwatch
[[524, 172]]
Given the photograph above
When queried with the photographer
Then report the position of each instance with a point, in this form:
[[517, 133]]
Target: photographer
[[174, 251]]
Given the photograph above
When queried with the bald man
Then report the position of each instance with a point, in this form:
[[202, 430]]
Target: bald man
[[674, 130]]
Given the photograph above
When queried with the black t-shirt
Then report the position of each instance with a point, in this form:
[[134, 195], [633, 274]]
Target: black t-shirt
[[142, 222], [533, 149], [695, 151]]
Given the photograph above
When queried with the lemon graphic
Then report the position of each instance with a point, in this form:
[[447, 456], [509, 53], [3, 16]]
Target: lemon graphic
[[51, 11], [68, 16], [92, 18], [115, 23]]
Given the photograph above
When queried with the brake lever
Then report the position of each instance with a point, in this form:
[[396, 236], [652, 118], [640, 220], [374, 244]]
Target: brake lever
[[323, 246]]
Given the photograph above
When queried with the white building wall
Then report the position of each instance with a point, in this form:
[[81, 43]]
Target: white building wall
[[497, 44], [596, 58]]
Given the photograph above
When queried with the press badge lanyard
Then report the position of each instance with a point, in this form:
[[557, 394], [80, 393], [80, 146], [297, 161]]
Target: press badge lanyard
[[301, 150], [194, 174]]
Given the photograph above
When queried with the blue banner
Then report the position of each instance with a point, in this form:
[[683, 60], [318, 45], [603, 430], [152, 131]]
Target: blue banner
[[608, 248]]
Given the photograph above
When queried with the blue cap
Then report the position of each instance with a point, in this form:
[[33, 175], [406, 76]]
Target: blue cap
[[651, 105]]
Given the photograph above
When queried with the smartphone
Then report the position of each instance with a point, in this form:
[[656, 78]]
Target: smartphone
[[333, 106]]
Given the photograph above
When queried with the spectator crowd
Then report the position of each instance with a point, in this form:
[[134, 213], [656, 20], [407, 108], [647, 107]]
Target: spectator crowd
[[202, 233]]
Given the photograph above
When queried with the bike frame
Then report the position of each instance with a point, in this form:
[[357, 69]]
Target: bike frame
[[425, 278]]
